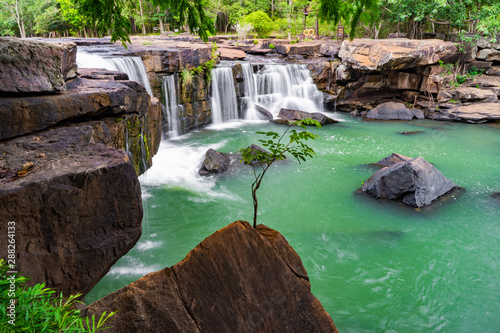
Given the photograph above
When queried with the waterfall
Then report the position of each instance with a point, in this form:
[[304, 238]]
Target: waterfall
[[132, 66], [250, 91], [171, 104], [224, 105], [287, 86]]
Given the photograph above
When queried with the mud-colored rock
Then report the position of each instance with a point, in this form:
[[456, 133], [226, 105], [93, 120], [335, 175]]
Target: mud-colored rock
[[475, 113], [263, 113], [398, 54], [289, 114], [239, 279], [34, 67], [77, 209], [214, 162], [493, 70], [83, 98], [394, 111], [392, 159], [303, 48], [489, 55], [467, 94], [231, 54], [415, 182]]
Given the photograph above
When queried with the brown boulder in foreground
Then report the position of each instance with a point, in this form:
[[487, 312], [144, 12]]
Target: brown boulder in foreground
[[239, 279]]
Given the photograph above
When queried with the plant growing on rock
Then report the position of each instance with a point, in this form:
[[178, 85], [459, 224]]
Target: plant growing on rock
[[261, 160], [39, 309]]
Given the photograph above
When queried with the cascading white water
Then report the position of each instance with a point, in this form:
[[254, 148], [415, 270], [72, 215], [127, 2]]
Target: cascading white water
[[287, 86], [224, 105], [171, 105], [250, 90], [132, 66]]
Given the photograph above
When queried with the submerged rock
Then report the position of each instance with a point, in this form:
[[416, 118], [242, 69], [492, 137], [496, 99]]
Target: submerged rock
[[239, 279], [77, 208], [394, 111], [289, 114], [34, 67], [415, 182], [214, 162]]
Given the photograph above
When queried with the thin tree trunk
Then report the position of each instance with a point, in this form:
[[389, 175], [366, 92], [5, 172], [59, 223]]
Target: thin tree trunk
[[161, 22], [290, 19], [142, 18]]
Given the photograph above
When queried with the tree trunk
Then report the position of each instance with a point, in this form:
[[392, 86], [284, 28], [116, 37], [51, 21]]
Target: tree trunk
[[161, 21], [142, 18], [290, 2], [376, 30]]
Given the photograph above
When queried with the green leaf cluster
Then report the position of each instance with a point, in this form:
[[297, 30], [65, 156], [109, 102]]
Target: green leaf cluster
[[39, 309], [261, 23], [277, 147]]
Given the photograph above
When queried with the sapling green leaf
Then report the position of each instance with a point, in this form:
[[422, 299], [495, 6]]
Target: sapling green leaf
[[262, 160]]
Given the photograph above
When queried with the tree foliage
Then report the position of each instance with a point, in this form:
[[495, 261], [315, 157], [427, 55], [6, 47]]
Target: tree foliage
[[352, 11], [39, 309], [261, 160], [260, 22]]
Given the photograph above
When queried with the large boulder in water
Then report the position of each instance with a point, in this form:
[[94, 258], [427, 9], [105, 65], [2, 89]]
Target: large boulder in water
[[415, 182], [240, 279], [28, 66], [76, 205], [394, 111], [214, 162], [293, 115], [392, 159]]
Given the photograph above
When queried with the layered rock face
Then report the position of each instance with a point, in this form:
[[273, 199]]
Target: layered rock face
[[77, 208], [66, 177], [28, 67], [239, 279]]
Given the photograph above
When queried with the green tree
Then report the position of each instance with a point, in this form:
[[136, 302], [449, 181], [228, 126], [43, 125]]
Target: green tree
[[262, 160], [350, 11], [261, 23]]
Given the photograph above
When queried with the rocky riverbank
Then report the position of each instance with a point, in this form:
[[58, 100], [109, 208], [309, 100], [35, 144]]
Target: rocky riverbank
[[72, 144]]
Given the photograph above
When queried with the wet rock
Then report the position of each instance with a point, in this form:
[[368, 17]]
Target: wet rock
[[77, 209], [330, 49], [231, 54], [35, 67], [239, 279], [394, 111], [392, 159], [415, 182], [303, 48], [83, 98], [263, 113], [214, 162], [488, 55], [289, 114], [494, 70], [101, 74], [397, 54], [475, 113]]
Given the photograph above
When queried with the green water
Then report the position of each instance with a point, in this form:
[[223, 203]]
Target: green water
[[375, 266]]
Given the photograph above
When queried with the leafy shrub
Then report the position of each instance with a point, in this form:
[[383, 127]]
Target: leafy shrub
[[39, 309], [271, 46], [261, 23], [255, 41]]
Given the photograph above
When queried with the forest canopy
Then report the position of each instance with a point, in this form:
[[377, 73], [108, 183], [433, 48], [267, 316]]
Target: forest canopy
[[287, 18]]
